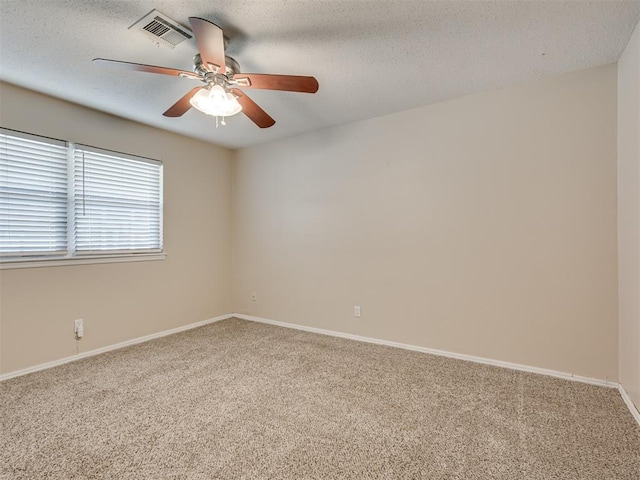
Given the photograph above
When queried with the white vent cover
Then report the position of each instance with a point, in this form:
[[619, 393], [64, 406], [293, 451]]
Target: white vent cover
[[162, 29]]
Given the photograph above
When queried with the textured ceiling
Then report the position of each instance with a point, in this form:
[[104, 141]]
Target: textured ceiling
[[371, 57]]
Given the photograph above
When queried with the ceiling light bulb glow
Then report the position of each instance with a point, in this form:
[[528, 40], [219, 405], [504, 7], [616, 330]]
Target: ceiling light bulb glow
[[216, 102]]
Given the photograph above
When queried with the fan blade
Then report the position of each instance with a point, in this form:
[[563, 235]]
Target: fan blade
[[139, 67], [210, 41], [289, 83], [182, 106], [253, 111]]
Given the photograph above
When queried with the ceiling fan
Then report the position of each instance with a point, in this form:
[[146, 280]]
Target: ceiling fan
[[221, 96]]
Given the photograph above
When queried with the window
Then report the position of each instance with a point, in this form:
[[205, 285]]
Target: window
[[65, 201], [33, 196], [117, 203]]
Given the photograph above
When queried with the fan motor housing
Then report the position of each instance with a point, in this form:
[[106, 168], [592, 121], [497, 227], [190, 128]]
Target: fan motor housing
[[231, 66]]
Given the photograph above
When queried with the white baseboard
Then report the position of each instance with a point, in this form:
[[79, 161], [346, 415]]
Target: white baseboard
[[459, 356], [627, 399], [442, 353], [97, 351]]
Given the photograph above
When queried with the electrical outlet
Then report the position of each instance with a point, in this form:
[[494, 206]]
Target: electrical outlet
[[254, 297], [78, 328], [356, 310]]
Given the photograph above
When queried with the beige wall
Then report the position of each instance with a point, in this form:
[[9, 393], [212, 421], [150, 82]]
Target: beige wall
[[484, 225], [121, 301], [629, 216]]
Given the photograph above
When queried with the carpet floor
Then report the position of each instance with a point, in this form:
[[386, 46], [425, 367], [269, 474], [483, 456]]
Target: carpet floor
[[242, 400]]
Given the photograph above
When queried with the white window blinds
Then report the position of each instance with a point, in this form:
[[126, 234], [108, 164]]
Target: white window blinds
[[63, 201], [33, 195], [117, 202]]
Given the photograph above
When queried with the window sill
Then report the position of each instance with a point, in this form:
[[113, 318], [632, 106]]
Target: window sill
[[84, 260]]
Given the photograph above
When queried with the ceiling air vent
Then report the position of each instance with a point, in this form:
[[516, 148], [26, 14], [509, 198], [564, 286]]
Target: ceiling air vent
[[161, 29]]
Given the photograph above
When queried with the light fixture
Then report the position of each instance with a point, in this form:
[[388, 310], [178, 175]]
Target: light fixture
[[216, 101]]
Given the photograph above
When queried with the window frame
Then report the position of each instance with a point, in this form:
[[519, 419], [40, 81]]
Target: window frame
[[71, 256]]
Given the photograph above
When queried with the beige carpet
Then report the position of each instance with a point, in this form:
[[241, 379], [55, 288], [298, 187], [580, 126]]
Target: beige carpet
[[241, 400]]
